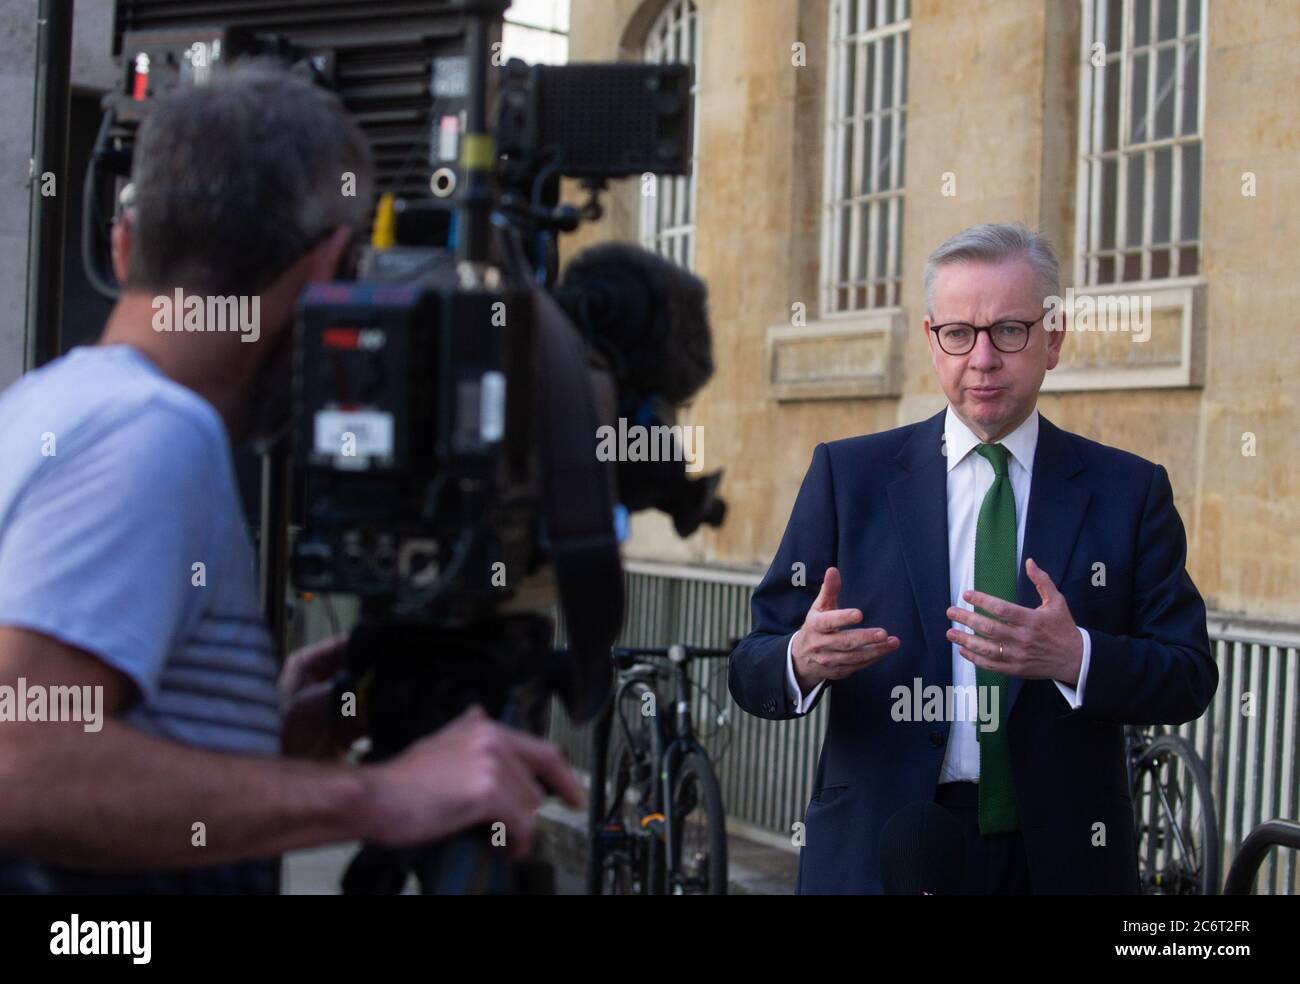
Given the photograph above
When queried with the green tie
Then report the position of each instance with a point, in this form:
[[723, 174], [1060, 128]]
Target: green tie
[[995, 574]]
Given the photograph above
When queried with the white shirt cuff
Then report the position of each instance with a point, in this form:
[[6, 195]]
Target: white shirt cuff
[[802, 703], [1075, 694]]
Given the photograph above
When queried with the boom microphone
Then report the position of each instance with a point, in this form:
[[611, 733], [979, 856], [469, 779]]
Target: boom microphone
[[646, 319], [646, 315]]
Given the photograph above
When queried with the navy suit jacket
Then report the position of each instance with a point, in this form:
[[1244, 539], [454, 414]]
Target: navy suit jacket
[[876, 508]]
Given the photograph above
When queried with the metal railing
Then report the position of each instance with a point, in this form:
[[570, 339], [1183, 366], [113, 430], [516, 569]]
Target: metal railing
[[1250, 741], [1249, 736]]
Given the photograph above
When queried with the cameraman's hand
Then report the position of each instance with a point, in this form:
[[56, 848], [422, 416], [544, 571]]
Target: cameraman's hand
[[474, 771], [313, 724]]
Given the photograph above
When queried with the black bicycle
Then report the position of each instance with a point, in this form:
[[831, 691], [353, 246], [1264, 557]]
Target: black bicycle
[[656, 821], [1173, 809]]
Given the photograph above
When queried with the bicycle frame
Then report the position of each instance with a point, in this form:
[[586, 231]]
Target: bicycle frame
[[683, 743], [680, 734]]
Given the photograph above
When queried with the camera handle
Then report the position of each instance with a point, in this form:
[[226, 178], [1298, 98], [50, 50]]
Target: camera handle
[[420, 677]]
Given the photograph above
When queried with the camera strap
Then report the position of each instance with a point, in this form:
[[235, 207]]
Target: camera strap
[[579, 512]]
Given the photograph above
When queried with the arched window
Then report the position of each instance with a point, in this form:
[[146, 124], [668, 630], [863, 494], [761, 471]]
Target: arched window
[[668, 201], [866, 136]]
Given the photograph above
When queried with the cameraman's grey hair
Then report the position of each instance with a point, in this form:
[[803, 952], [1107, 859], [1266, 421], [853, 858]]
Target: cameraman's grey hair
[[990, 243], [236, 179]]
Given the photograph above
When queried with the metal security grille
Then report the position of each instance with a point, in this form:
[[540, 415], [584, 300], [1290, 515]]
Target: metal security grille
[[1250, 740], [1249, 737], [1141, 94], [865, 152], [384, 51], [308, 21], [668, 201]]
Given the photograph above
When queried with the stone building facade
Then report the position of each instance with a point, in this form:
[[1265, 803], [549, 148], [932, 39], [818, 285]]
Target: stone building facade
[[1154, 141]]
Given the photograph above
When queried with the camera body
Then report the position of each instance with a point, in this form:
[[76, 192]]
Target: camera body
[[413, 433], [445, 406], [418, 388]]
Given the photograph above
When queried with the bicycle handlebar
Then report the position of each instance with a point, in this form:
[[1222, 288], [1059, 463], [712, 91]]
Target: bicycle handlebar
[[625, 655]]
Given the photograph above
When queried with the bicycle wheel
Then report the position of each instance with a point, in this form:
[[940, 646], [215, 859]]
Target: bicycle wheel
[[1177, 829], [629, 864], [699, 830]]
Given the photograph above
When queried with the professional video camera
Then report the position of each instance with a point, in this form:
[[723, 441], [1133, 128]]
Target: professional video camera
[[447, 401]]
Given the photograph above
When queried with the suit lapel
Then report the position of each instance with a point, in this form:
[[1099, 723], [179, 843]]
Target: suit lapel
[[920, 505], [1056, 510]]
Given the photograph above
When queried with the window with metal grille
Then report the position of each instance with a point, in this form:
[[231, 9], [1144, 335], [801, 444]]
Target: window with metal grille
[[668, 201], [1142, 89], [866, 139]]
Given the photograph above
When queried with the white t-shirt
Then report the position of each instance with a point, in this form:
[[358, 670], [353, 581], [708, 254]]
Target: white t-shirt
[[121, 533]]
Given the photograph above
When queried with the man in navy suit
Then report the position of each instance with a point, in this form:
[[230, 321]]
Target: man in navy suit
[[1000, 597]]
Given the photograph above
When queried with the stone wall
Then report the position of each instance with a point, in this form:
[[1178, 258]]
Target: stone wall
[[993, 92]]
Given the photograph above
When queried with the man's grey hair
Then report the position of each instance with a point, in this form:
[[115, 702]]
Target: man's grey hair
[[236, 179], [991, 243]]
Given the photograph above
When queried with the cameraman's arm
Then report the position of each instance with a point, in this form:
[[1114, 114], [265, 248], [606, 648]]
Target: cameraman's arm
[[118, 798]]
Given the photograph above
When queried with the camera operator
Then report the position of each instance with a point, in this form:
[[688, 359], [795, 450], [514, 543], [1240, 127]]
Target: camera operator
[[125, 563]]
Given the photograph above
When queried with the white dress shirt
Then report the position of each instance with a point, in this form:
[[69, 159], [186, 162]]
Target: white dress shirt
[[969, 477]]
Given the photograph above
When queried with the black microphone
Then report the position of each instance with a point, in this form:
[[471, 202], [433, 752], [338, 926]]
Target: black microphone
[[922, 851]]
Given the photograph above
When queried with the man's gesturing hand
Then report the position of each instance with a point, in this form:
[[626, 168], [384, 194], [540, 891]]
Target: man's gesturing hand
[[1040, 643], [474, 771], [827, 648]]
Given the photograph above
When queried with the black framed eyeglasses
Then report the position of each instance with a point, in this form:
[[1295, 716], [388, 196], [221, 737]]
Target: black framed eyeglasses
[[1008, 336]]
